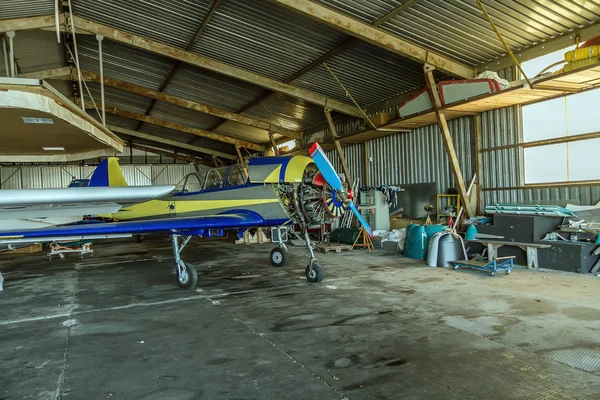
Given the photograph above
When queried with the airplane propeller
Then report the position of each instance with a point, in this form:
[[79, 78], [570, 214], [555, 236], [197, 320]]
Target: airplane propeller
[[332, 178]]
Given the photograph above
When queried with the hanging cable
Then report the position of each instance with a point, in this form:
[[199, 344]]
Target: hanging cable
[[350, 96], [517, 63]]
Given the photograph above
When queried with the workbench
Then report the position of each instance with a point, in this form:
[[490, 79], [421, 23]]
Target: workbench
[[530, 248]]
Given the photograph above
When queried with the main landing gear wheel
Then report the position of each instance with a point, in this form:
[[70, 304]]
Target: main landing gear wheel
[[278, 256], [314, 275], [187, 276]]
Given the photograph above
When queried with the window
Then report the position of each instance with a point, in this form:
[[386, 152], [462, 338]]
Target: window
[[565, 116]]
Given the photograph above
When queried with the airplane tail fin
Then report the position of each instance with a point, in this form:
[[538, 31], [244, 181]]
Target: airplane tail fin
[[108, 173]]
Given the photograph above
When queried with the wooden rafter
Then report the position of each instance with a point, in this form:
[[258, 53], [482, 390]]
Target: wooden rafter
[[184, 128], [67, 73], [170, 142], [446, 138]]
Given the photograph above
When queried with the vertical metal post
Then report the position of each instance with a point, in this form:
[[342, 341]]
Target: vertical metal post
[[76, 55], [99, 38], [478, 163], [367, 164], [5, 57], [11, 49], [57, 18]]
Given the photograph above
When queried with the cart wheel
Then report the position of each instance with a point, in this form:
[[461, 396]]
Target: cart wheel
[[508, 272], [492, 273], [456, 267]]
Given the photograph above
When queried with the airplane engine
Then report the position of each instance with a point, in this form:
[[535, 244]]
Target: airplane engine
[[311, 201]]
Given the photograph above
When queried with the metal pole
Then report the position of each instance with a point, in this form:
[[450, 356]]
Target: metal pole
[[57, 19], [99, 38], [5, 56], [76, 55], [11, 49]]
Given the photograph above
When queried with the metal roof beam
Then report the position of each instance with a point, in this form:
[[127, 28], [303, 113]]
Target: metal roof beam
[[184, 128], [377, 37], [170, 142], [213, 65]]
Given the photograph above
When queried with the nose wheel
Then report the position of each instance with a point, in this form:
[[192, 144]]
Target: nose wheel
[[187, 276], [278, 256]]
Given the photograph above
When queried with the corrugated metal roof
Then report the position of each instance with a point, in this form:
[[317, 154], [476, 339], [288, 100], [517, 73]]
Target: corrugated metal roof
[[124, 62], [458, 29], [243, 132], [118, 98], [211, 88], [184, 138], [37, 51], [264, 38], [370, 74], [290, 112], [170, 22], [170, 112], [25, 8]]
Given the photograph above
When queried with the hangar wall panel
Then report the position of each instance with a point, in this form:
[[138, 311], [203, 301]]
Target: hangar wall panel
[[40, 177], [355, 155], [420, 156]]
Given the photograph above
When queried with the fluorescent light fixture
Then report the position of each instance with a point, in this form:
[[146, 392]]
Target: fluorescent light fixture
[[54, 148], [31, 120]]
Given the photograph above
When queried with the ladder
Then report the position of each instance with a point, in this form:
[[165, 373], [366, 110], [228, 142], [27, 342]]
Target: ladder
[[349, 215]]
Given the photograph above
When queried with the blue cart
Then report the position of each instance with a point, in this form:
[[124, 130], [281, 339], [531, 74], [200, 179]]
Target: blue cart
[[492, 266]]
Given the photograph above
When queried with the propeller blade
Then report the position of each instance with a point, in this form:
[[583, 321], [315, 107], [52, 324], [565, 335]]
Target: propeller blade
[[360, 218], [324, 165]]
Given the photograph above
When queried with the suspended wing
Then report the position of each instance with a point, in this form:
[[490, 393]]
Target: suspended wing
[[43, 203], [332, 178], [184, 226]]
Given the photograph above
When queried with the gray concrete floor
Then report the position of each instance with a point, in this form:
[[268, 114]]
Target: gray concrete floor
[[378, 327]]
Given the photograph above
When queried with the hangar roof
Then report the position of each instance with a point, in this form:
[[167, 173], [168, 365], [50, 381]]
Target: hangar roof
[[279, 43]]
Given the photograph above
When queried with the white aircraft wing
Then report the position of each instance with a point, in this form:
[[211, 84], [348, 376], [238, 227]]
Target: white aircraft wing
[[77, 201]]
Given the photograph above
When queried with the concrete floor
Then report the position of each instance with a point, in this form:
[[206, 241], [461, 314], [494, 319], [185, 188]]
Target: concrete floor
[[378, 327]]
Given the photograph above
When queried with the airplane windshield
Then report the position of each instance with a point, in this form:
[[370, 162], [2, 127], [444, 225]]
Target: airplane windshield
[[211, 179]]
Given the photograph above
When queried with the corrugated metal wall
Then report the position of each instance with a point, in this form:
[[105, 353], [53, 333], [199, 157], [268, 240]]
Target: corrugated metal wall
[[420, 156], [39, 177], [139, 168], [355, 156]]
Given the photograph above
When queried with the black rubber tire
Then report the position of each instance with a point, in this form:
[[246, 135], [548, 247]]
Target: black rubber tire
[[278, 257], [508, 272], [492, 273], [317, 273], [192, 280]]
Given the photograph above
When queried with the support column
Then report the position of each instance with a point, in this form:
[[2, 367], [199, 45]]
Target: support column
[[99, 38], [11, 50], [6, 67], [367, 181], [447, 139], [241, 158], [479, 163], [275, 148], [338, 146]]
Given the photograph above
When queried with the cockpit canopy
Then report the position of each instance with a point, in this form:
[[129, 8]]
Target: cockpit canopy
[[212, 179]]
